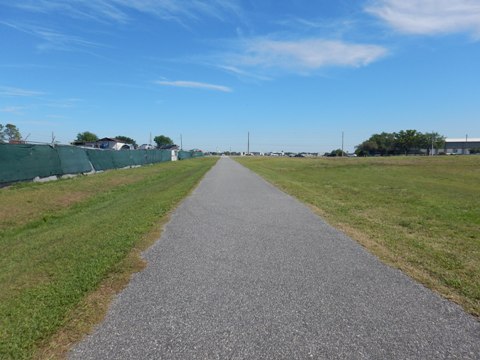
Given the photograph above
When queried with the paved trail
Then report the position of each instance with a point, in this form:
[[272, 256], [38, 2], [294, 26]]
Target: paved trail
[[244, 271]]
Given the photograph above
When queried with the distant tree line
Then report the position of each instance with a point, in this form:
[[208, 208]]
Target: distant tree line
[[335, 153], [87, 136], [9, 132], [400, 143]]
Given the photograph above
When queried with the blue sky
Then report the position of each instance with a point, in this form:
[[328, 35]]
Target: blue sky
[[294, 73]]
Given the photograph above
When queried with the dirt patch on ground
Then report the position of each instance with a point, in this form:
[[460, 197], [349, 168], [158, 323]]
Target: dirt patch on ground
[[27, 207], [22, 206]]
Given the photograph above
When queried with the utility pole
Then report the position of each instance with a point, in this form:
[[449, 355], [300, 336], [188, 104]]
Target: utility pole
[[181, 142], [150, 142], [466, 145], [248, 143], [342, 143]]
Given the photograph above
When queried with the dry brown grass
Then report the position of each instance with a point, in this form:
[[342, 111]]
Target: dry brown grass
[[25, 203]]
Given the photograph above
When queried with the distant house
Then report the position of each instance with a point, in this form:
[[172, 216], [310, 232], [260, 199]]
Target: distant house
[[87, 144], [146, 147], [106, 144], [168, 147], [113, 144], [461, 145]]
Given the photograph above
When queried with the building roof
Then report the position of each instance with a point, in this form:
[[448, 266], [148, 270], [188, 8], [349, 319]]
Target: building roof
[[460, 140], [110, 139], [168, 147]]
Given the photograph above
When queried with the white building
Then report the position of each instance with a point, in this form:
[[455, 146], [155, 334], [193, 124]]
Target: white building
[[461, 145], [113, 144], [146, 147]]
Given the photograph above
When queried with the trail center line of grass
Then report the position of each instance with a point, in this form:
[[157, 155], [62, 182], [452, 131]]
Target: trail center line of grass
[[52, 258], [419, 214]]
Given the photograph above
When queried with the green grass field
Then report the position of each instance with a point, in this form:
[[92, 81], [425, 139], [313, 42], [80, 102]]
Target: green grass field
[[419, 214], [60, 240]]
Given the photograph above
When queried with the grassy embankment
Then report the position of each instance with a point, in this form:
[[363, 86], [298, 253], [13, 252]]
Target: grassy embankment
[[419, 214], [66, 247]]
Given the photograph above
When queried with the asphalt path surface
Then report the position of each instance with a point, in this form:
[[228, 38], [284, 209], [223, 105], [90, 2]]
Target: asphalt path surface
[[244, 271]]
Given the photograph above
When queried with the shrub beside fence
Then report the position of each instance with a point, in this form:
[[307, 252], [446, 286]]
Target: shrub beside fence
[[20, 162]]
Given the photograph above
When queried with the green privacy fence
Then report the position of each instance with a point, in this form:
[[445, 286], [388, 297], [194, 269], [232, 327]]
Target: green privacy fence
[[182, 154], [108, 159], [19, 162], [24, 162], [73, 160]]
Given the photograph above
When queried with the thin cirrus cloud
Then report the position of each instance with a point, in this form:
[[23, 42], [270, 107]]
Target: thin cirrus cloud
[[428, 17], [303, 56], [17, 92], [16, 110], [118, 10], [194, 85], [51, 39]]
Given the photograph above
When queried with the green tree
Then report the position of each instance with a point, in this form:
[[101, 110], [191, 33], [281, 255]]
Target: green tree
[[86, 136], [436, 139], [403, 142], [407, 140], [368, 147], [377, 144], [10, 132], [335, 153], [2, 135], [161, 140], [126, 139], [385, 142]]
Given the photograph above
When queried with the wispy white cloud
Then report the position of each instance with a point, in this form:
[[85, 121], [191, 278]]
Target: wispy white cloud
[[54, 116], [63, 103], [17, 92], [242, 73], [120, 10], [332, 25], [429, 17], [25, 66], [53, 40], [194, 85], [93, 10], [38, 122], [125, 85], [302, 56], [17, 110]]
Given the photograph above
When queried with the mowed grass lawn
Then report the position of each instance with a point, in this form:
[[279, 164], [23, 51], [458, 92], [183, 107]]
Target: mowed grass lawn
[[420, 214], [60, 240]]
